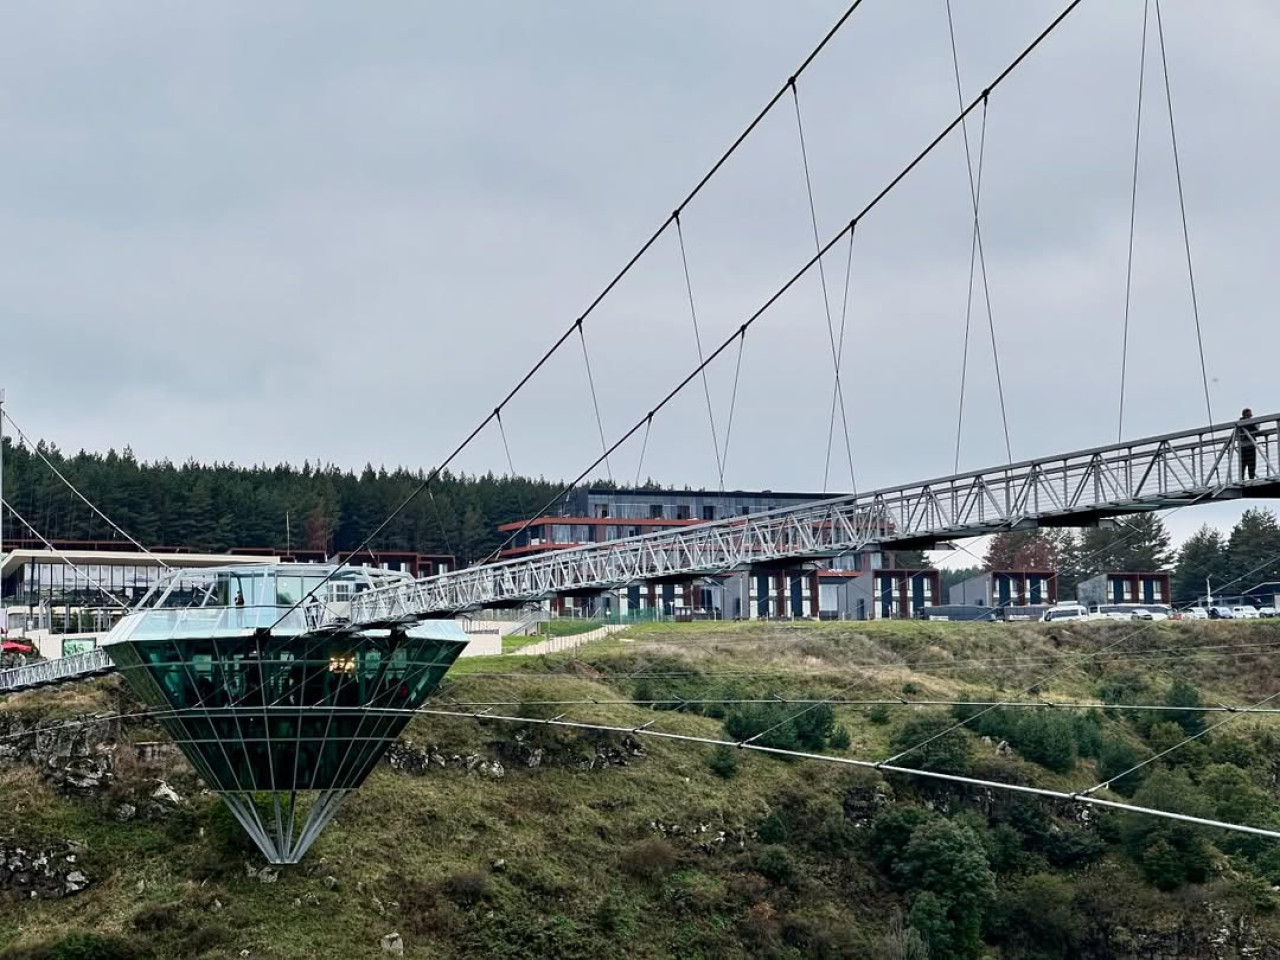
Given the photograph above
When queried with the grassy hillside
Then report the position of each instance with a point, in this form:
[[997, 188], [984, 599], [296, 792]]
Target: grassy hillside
[[597, 845]]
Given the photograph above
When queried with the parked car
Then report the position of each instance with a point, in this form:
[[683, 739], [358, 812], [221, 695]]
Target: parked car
[[1155, 611], [1065, 611], [1195, 613], [1113, 611], [1220, 613], [1268, 612], [1244, 613]]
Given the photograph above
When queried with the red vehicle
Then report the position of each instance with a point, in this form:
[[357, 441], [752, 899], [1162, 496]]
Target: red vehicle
[[12, 646]]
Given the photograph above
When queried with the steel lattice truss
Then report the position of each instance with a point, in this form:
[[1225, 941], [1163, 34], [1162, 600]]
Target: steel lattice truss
[[1074, 489], [77, 667]]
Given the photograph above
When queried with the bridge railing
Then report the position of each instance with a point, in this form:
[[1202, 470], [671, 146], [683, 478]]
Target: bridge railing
[[1173, 469], [55, 671]]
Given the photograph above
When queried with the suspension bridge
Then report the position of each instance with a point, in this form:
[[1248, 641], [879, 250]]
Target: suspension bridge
[[322, 684]]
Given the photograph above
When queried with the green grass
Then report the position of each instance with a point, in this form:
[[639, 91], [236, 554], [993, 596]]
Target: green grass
[[571, 838]]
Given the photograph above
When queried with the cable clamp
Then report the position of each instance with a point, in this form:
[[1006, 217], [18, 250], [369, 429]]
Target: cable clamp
[[644, 726], [904, 700]]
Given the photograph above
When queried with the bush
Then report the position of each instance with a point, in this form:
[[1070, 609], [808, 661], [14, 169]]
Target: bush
[[1115, 756], [1168, 853], [775, 864], [1184, 693], [782, 726], [879, 714], [891, 832], [163, 916], [649, 859], [467, 888], [841, 738], [1038, 916], [932, 745], [947, 861], [80, 945], [724, 762]]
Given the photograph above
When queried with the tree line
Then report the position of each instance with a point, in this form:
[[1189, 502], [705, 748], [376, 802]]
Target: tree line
[[1227, 563], [221, 506]]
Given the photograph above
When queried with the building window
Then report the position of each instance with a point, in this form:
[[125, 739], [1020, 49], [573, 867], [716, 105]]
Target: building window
[[708, 512], [655, 511], [682, 511]]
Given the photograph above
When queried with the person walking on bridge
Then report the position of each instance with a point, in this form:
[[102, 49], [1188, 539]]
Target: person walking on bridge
[[1248, 434]]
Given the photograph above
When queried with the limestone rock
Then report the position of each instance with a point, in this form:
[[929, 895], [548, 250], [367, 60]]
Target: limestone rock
[[393, 943]]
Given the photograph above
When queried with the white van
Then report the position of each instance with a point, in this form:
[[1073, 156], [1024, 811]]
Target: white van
[[1065, 611]]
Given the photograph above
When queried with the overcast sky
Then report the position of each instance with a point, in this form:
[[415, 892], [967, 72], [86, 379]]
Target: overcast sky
[[260, 232]]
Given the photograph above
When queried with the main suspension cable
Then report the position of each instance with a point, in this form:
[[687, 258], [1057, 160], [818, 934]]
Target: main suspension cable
[[591, 307], [817, 257]]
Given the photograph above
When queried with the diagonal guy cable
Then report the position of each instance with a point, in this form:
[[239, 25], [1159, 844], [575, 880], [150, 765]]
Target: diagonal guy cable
[[644, 730], [777, 295], [4, 415], [1235, 715], [1133, 211], [595, 302], [697, 339], [826, 299], [977, 233], [595, 402], [63, 557], [1182, 207]]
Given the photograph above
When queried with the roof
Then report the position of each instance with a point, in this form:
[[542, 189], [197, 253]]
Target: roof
[[17, 558]]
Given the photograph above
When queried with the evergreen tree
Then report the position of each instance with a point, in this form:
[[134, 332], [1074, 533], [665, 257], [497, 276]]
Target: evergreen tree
[[1203, 556], [1253, 552], [1136, 543]]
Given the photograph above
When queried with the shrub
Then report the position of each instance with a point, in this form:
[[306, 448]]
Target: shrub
[[79, 945], [932, 744], [163, 916], [466, 888], [879, 714], [649, 859], [891, 832], [1115, 756], [841, 738], [775, 864], [782, 726], [1037, 916], [724, 762], [1184, 693], [1168, 853], [947, 860]]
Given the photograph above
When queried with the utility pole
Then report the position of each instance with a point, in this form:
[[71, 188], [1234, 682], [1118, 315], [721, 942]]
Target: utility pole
[[1208, 593]]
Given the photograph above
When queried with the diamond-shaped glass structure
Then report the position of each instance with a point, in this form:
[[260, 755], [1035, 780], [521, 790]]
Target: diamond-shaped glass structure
[[280, 718]]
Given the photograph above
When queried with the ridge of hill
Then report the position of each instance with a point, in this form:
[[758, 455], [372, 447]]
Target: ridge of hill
[[512, 840]]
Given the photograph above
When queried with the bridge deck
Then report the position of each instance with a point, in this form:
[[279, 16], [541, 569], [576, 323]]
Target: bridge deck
[[1195, 466]]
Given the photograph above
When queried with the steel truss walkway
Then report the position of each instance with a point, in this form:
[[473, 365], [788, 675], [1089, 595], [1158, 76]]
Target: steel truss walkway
[[1074, 489], [81, 666], [1196, 466]]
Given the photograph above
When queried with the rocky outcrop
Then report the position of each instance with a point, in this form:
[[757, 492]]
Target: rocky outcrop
[[88, 758], [498, 756], [44, 870]]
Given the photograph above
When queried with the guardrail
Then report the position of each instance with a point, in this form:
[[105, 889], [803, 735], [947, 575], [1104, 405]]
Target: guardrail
[[1175, 469]]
